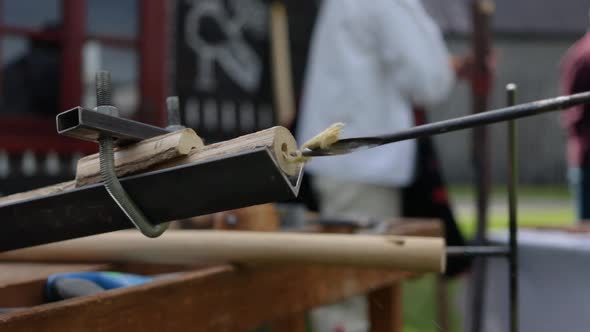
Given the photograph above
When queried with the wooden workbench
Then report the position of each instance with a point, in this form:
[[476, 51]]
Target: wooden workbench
[[213, 298]]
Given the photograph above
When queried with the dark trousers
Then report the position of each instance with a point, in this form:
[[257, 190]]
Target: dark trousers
[[579, 178]]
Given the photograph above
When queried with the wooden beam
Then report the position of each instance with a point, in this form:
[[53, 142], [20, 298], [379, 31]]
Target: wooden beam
[[216, 299], [21, 284], [279, 140]]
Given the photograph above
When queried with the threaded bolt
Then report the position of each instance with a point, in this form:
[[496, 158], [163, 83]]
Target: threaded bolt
[[173, 109], [103, 88]]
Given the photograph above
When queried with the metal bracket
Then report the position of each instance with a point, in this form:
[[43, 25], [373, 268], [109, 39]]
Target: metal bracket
[[104, 125], [87, 125]]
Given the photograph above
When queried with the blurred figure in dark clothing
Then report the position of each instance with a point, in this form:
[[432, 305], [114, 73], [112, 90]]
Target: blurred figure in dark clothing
[[31, 83], [575, 77]]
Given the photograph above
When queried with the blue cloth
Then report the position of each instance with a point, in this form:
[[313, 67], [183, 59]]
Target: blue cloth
[[579, 178], [104, 279]]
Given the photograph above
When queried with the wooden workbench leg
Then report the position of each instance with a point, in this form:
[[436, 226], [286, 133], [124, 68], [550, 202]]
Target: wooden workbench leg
[[292, 323], [442, 304], [385, 309]]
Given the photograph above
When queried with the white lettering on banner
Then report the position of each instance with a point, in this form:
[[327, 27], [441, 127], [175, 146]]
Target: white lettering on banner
[[233, 54]]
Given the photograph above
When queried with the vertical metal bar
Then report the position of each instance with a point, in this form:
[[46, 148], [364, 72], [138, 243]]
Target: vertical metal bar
[[153, 52], [72, 38], [482, 11], [512, 213]]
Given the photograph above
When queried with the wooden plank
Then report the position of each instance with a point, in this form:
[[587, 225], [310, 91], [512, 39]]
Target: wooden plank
[[385, 309], [21, 284], [39, 192], [216, 299], [278, 139], [140, 156]]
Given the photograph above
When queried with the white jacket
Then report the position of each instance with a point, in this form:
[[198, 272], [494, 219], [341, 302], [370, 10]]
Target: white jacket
[[370, 61]]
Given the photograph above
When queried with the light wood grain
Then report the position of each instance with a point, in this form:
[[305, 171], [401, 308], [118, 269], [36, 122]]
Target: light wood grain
[[414, 254], [281, 64], [278, 140], [140, 156], [219, 299]]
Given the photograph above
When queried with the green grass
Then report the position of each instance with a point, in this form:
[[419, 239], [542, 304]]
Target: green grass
[[419, 308], [543, 218], [543, 191]]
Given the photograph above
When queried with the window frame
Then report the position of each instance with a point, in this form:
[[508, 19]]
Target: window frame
[[19, 133]]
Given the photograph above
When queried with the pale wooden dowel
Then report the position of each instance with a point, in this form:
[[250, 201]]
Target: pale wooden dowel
[[281, 64], [413, 254], [140, 156]]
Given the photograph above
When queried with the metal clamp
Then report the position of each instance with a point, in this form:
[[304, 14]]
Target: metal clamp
[[107, 163]]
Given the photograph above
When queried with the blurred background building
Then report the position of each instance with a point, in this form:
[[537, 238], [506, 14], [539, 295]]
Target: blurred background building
[[530, 37], [215, 55]]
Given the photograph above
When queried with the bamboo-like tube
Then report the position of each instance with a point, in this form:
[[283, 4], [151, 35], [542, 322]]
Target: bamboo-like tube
[[413, 254]]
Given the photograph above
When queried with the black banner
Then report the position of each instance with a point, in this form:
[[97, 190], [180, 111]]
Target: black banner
[[222, 66]]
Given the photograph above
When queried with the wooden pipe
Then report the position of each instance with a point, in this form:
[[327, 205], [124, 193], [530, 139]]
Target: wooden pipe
[[413, 254]]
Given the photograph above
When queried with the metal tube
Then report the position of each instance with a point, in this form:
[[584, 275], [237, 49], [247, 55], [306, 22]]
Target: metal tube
[[478, 251], [107, 166], [512, 214]]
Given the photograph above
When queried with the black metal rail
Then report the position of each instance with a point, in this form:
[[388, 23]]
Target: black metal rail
[[509, 251], [173, 193]]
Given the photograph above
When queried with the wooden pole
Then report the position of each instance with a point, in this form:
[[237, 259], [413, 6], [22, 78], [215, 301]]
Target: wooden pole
[[482, 11], [281, 64], [413, 254]]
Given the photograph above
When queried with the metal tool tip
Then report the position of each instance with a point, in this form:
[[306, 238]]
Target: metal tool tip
[[511, 87], [172, 103]]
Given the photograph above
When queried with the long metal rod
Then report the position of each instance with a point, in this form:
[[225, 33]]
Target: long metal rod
[[512, 213], [348, 145], [478, 251]]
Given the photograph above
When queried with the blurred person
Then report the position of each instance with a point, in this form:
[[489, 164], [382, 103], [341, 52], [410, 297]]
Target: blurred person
[[370, 63], [31, 82], [575, 77]]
